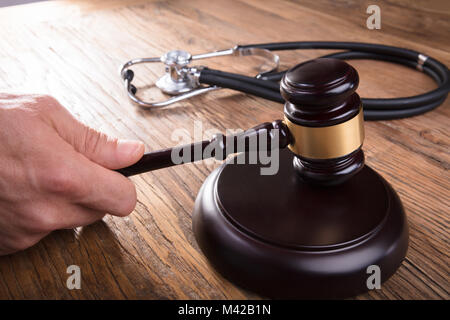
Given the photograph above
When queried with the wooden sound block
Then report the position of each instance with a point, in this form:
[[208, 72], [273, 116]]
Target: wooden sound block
[[283, 238]]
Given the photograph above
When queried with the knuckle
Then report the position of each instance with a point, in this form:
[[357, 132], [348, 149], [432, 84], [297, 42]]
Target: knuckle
[[45, 102], [41, 219], [58, 180], [37, 106], [47, 222]]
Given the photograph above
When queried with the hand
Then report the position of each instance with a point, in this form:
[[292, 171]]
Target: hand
[[55, 171]]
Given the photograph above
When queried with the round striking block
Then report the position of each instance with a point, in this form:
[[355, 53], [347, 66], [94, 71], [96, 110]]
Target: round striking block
[[283, 238]]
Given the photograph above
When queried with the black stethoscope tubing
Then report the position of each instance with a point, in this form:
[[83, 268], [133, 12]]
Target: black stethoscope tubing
[[374, 109]]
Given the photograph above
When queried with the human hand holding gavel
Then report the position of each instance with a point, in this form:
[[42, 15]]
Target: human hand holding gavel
[[55, 172]]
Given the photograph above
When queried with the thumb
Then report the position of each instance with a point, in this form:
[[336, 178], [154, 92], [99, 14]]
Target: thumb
[[108, 152]]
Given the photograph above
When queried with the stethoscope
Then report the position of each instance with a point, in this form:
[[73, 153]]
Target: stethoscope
[[183, 81]]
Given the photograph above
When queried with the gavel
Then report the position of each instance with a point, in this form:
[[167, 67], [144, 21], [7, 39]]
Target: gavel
[[324, 134], [312, 229]]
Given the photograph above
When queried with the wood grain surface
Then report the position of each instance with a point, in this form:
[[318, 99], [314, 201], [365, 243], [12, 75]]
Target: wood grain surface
[[72, 50]]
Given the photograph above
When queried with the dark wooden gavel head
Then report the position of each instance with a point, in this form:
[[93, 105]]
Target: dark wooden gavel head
[[325, 118]]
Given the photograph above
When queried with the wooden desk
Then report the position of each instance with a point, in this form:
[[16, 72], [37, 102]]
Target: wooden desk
[[72, 50]]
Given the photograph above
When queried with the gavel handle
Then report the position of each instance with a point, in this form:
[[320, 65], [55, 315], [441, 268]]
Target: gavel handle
[[225, 144]]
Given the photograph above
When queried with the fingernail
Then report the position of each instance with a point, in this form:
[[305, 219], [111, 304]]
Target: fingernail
[[129, 147]]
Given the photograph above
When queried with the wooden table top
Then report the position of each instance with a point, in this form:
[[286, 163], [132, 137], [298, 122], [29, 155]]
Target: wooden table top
[[72, 50]]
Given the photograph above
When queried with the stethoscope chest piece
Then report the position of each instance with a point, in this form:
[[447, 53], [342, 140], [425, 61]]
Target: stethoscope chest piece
[[181, 80], [178, 77]]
